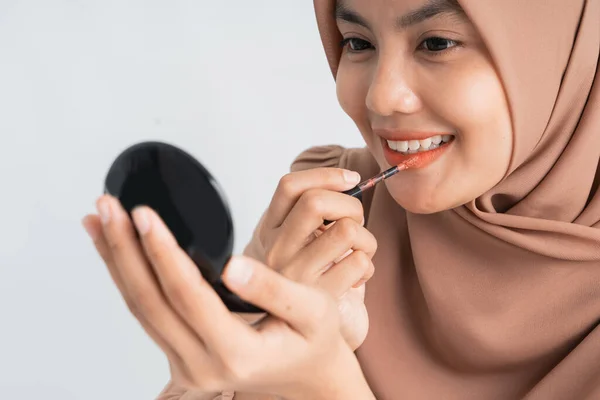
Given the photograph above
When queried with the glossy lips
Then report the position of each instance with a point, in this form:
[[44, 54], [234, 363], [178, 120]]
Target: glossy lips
[[420, 159]]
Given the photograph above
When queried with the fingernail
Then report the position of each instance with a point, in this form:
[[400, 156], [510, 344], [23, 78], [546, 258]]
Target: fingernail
[[239, 272], [351, 177], [104, 211], [141, 220], [88, 228]]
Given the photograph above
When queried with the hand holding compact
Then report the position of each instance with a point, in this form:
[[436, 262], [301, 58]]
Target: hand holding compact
[[295, 352]]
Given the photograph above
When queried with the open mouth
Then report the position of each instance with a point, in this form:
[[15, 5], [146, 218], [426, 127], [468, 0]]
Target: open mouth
[[422, 153], [419, 146]]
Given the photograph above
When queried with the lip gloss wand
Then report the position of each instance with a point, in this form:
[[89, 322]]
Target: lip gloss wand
[[358, 190]]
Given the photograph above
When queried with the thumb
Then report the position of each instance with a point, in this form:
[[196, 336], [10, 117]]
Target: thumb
[[302, 307]]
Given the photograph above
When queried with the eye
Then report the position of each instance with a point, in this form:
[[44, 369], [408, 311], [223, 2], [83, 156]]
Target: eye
[[356, 45], [437, 44]]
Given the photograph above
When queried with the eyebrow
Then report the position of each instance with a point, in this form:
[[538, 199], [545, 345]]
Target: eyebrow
[[431, 9]]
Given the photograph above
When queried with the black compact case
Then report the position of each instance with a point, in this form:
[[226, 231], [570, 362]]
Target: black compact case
[[188, 199]]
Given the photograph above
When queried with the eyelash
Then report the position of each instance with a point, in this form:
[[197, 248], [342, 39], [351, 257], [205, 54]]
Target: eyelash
[[345, 43]]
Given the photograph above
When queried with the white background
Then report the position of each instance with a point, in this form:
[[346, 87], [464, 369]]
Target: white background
[[242, 85]]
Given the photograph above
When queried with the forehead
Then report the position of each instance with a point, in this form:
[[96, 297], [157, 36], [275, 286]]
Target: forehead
[[405, 12], [402, 4]]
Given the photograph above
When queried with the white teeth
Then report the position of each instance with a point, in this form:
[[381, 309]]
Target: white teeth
[[402, 146], [425, 143], [415, 146]]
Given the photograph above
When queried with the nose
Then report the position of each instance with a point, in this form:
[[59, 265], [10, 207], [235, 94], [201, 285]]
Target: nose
[[391, 93]]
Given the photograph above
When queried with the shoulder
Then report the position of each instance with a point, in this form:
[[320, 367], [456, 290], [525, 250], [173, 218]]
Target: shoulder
[[334, 156]]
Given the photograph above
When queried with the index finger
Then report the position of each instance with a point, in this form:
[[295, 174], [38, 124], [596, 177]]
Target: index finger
[[292, 185], [188, 293]]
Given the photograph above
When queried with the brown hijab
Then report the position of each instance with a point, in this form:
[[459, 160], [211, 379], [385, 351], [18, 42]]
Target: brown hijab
[[499, 298]]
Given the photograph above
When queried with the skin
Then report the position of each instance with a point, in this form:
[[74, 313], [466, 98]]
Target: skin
[[395, 79]]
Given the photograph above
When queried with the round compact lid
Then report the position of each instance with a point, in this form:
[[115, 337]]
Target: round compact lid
[[187, 198]]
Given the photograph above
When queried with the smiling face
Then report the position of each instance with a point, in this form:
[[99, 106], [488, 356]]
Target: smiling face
[[418, 81]]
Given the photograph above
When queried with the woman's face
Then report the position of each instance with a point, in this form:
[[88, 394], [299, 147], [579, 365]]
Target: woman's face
[[417, 79]]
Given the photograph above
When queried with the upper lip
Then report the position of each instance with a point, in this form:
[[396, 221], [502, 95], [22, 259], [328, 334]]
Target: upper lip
[[404, 135]]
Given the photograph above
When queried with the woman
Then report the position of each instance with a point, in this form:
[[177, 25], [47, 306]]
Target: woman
[[488, 260]]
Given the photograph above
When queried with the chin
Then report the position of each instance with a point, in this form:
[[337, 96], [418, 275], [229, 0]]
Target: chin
[[415, 208], [418, 203]]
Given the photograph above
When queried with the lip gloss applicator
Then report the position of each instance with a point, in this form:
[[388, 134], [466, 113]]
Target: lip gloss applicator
[[358, 190]]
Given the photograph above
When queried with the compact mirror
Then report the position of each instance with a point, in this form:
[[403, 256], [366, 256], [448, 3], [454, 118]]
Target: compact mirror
[[188, 199]]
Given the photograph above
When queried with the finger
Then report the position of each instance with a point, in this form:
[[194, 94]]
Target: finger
[[312, 261], [292, 185], [306, 216], [188, 293], [305, 309], [146, 301], [348, 273], [93, 226]]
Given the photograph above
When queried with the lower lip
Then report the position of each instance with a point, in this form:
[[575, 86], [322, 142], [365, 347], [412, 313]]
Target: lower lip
[[418, 160]]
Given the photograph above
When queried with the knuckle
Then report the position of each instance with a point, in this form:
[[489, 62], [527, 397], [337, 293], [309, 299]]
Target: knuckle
[[312, 201], [179, 297], [358, 207], [346, 230], [362, 260], [370, 271], [115, 245], [286, 185], [157, 251], [143, 302], [368, 239], [373, 245]]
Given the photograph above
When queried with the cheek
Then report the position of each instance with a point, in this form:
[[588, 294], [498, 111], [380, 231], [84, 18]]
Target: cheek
[[474, 99], [475, 104]]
